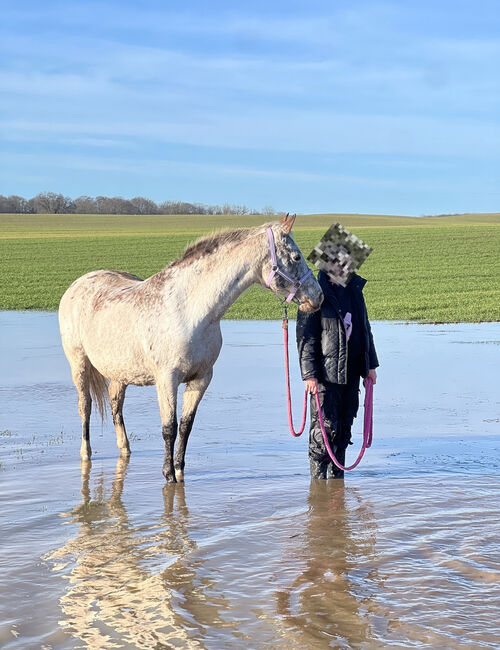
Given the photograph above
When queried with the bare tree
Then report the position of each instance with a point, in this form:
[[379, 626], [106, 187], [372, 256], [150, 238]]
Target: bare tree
[[14, 204], [181, 207], [114, 205], [85, 205], [52, 203], [239, 209], [144, 206]]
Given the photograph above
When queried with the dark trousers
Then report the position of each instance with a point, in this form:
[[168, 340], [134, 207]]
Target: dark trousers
[[339, 405]]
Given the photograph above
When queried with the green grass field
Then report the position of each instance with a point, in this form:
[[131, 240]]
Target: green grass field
[[431, 269]]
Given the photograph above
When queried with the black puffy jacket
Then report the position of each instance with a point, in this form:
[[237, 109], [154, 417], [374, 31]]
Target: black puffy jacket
[[322, 340]]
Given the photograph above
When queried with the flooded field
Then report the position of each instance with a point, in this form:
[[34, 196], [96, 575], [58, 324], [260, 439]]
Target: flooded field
[[249, 553]]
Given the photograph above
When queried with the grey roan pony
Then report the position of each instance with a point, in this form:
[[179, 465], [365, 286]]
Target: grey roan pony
[[117, 329]]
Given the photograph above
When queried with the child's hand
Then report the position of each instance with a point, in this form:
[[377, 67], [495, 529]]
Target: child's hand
[[312, 385]]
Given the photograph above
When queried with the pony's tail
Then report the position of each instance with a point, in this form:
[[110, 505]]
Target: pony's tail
[[98, 390]]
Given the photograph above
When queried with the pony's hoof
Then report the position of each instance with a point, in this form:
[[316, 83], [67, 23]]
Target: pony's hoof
[[179, 475], [169, 476], [85, 453]]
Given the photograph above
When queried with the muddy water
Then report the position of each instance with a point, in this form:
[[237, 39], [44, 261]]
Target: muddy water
[[250, 553]]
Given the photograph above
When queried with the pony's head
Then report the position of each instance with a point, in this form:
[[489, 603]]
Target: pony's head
[[285, 271]]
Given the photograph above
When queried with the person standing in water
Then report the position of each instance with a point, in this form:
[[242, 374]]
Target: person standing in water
[[336, 347]]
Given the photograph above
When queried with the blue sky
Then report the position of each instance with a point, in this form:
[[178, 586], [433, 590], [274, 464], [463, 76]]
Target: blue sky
[[377, 107]]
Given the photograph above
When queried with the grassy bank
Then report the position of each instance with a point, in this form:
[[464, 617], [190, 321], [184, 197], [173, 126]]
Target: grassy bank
[[431, 269]]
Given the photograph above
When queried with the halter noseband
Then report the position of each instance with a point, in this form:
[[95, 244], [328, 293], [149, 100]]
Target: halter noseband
[[275, 270]]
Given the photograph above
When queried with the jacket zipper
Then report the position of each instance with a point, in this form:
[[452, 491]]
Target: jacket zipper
[[345, 332], [346, 345]]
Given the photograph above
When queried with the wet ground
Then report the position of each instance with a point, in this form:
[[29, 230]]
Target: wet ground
[[250, 553]]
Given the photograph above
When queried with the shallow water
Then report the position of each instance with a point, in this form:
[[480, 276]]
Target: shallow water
[[250, 553]]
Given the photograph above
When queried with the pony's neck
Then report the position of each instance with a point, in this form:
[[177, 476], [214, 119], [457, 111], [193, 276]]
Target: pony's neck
[[213, 283]]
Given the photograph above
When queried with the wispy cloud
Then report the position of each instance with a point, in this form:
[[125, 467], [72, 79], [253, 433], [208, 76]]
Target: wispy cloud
[[325, 133]]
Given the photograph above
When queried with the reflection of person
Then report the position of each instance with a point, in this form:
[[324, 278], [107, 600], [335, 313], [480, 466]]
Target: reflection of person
[[336, 348], [325, 605]]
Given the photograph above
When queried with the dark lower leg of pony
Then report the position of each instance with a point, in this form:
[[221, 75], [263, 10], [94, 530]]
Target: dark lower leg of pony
[[185, 426], [85, 449], [84, 409], [195, 389], [169, 432]]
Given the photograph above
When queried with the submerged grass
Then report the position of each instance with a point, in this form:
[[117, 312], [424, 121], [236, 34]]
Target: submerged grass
[[432, 269]]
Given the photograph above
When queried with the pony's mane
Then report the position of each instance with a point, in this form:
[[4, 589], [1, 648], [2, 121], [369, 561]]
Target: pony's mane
[[210, 244]]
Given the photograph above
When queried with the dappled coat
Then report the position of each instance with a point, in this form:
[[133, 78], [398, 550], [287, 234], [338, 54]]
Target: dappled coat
[[322, 340]]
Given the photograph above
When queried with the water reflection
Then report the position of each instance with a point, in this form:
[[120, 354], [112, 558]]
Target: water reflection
[[373, 573], [408, 558], [325, 602], [272, 565], [138, 585]]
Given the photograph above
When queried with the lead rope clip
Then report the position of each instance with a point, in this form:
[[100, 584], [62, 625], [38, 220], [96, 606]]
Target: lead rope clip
[[285, 317]]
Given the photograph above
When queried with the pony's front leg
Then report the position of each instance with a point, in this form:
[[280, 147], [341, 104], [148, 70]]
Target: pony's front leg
[[195, 389], [167, 399]]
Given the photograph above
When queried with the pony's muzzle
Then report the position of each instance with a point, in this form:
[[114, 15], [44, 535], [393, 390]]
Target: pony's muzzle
[[308, 305]]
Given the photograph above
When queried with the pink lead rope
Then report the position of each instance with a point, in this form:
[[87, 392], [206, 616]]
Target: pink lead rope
[[368, 411]]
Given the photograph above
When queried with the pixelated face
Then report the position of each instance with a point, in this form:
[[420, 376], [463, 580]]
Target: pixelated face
[[339, 254], [338, 264]]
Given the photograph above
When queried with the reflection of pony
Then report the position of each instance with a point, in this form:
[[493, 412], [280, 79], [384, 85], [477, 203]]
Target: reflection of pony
[[132, 586], [166, 330]]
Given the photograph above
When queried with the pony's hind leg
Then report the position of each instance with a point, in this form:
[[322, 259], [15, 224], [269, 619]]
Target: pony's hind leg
[[195, 389], [116, 398], [80, 373]]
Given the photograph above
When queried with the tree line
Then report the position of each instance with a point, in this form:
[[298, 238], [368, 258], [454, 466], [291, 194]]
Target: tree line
[[53, 203]]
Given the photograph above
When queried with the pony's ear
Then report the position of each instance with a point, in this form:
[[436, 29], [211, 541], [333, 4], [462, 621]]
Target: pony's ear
[[287, 223]]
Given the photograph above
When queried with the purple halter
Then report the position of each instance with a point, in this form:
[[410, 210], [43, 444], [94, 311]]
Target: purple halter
[[275, 270]]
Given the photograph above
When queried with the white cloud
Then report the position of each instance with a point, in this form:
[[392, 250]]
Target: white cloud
[[174, 168], [317, 132]]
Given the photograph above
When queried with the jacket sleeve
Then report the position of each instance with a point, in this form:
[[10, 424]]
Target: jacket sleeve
[[309, 344], [372, 353]]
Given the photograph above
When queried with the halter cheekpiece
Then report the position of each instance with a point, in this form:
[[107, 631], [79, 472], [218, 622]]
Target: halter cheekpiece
[[277, 271]]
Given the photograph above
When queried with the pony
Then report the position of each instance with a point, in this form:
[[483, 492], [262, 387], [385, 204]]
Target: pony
[[117, 329]]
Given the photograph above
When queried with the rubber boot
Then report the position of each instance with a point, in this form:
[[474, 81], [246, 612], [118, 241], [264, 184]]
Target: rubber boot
[[318, 468], [333, 470]]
